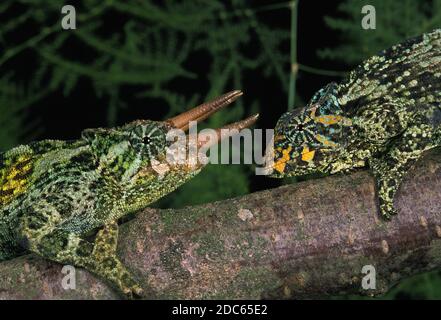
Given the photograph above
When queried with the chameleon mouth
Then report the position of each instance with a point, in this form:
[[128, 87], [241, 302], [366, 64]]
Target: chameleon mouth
[[205, 110]]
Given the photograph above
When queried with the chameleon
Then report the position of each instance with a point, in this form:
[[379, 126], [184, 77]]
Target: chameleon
[[54, 194], [384, 115]]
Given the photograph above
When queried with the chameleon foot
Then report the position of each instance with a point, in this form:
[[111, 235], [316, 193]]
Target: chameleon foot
[[390, 168], [65, 247], [106, 264]]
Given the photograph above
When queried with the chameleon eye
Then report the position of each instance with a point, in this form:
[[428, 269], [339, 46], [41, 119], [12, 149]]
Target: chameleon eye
[[147, 140]]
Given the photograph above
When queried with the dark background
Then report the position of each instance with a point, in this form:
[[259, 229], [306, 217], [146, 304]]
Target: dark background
[[134, 59]]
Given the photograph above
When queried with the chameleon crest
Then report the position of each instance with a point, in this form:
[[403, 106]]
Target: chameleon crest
[[55, 194], [384, 116]]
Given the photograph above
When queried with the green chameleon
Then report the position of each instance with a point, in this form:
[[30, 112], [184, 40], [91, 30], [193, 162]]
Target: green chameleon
[[384, 115], [55, 193]]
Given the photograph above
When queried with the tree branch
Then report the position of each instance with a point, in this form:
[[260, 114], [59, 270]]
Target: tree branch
[[298, 241]]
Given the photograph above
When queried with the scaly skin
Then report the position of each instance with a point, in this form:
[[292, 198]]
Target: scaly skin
[[55, 193], [385, 115]]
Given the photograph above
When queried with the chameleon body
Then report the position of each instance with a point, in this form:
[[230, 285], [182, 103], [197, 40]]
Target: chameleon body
[[55, 194], [384, 116]]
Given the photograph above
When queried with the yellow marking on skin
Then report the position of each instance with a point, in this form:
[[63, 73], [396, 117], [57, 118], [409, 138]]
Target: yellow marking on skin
[[328, 120], [10, 185], [325, 141], [333, 119], [281, 163], [307, 155]]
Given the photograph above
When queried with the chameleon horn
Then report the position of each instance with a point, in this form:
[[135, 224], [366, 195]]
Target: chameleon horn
[[226, 131], [203, 111]]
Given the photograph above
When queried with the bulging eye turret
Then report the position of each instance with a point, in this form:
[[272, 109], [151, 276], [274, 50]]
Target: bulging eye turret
[[147, 138]]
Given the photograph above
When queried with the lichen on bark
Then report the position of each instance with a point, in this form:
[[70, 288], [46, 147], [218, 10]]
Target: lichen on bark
[[305, 240]]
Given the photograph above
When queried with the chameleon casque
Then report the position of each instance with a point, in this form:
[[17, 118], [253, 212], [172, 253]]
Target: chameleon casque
[[54, 193], [384, 116]]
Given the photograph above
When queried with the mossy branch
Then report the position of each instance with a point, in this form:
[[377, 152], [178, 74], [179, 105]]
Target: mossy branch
[[303, 240]]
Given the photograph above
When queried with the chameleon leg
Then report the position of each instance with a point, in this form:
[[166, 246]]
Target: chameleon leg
[[390, 168], [98, 257], [106, 263]]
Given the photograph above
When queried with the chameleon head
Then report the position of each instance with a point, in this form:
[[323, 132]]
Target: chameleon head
[[137, 155], [309, 139]]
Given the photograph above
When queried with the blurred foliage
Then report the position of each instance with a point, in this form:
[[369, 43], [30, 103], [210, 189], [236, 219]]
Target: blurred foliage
[[11, 105], [153, 46], [395, 22], [149, 47], [423, 286]]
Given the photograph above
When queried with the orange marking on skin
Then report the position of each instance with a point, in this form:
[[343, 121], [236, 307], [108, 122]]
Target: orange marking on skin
[[325, 141], [281, 163], [328, 120], [307, 155], [333, 119]]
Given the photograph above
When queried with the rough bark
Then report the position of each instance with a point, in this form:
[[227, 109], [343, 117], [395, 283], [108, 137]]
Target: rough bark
[[302, 240]]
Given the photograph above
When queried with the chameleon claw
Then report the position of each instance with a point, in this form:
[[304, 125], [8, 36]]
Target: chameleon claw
[[134, 293]]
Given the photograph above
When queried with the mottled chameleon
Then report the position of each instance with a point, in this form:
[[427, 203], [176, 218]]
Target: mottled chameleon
[[54, 193], [384, 115]]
